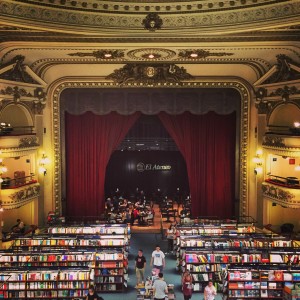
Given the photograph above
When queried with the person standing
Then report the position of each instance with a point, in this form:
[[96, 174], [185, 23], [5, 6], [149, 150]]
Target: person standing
[[160, 288], [92, 295], [140, 265], [210, 291], [171, 232], [187, 285], [158, 259]]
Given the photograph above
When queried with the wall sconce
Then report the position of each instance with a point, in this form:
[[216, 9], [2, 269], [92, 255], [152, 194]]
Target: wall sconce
[[43, 162], [257, 159]]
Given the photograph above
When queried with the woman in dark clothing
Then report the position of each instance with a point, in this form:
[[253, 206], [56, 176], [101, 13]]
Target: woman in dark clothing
[[92, 295]]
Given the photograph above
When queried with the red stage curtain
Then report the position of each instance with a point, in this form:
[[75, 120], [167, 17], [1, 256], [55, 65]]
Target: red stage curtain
[[90, 140], [207, 142]]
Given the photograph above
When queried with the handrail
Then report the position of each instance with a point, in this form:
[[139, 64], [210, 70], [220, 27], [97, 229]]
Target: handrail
[[11, 183], [16, 130]]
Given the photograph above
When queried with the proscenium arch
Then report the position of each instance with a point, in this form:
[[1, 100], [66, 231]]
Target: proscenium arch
[[243, 88]]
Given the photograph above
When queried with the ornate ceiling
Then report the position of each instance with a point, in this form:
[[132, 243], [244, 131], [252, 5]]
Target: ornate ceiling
[[171, 19], [90, 38]]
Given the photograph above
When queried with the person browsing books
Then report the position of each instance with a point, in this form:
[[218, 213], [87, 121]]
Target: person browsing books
[[210, 291], [187, 285], [92, 295]]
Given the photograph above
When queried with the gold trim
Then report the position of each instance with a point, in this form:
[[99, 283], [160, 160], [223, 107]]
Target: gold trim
[[243, 89]]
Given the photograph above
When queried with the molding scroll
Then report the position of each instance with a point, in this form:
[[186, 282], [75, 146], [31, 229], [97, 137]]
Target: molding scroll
[[154, 74], [200, 53], [21, 85], [283, 196], [244, 129], [21, 197], [107, 54], [152, 22], [190, 16]]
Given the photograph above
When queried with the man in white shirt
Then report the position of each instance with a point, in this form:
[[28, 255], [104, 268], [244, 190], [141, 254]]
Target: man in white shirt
[[158, 259]]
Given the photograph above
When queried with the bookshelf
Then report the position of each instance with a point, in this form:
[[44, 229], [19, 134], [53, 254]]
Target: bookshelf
[[263, 282], [44, 284], [109, 272], [103, 249]]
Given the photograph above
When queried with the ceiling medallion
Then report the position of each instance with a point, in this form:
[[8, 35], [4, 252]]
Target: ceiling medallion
[[152, 22], [151, 54], [101, 54], [154, 74], [200, 53]]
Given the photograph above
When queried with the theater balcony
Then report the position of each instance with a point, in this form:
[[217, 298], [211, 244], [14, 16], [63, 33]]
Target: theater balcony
[[282, 191], [16, 195], [18, 141], [284, 143], [18, 162]]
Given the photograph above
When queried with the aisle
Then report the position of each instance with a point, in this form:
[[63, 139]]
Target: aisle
[[147, 242]]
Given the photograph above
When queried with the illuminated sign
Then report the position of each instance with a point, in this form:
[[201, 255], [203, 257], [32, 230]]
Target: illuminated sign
[[141, 167]]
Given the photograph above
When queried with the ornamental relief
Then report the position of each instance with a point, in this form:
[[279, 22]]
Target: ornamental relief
[[22, 196], [133, 19], [280, 196]]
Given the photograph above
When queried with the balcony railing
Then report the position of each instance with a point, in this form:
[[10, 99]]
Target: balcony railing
[[282, 195], [16, 130], [12, 183], [19, 196]]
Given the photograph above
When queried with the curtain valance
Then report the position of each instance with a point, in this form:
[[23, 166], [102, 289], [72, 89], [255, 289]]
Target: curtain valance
[[173, 101]]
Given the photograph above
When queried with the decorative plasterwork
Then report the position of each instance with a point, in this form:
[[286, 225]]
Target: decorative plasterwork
[[107, 17], [149, 74], [201, 53], [281, 84], [152, 22], [15, 152], [15, 198], [17, 71], [156, 54], [286, 197], [80, 83], [107, 54], [282, 145], [18, 83]]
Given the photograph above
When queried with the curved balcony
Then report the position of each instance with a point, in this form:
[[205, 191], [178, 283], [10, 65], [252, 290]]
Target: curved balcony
[[17, 195], [283, 141], [284, 195]]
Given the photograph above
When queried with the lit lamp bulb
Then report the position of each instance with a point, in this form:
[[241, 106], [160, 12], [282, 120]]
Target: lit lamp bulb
[[297, 168], [42, 170], [258, 170], [297, 124]]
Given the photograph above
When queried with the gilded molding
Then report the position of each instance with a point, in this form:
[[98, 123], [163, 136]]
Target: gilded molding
[[149, 74], [105, 17], [244, 127], [273, 141], [283, 196], [31, 141], [21, 197], [15, 152], [106, 54]]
